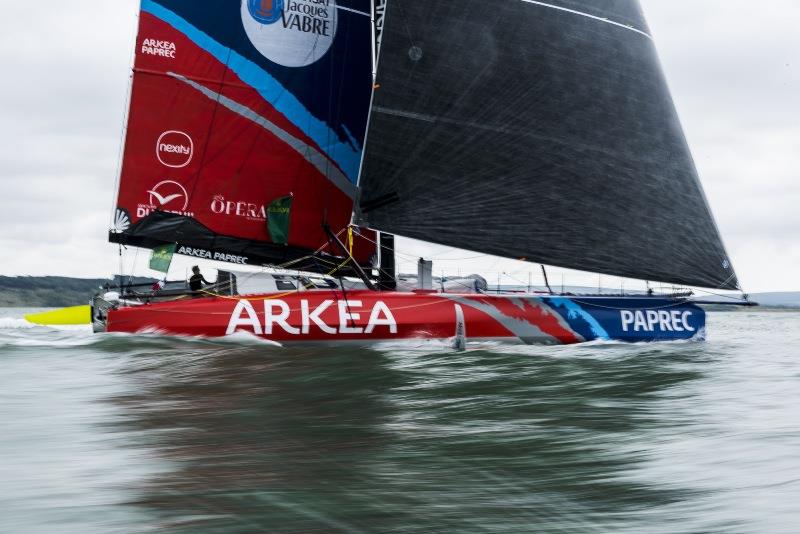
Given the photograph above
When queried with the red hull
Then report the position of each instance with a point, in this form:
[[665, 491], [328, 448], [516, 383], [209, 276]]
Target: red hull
[[368, 317], [363, 316]]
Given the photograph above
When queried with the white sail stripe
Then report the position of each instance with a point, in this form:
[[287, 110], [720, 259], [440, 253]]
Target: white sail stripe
[[351, 10], [309, 153], [587, 15]]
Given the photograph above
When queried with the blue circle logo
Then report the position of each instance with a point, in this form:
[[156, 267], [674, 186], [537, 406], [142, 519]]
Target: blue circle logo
[[265, 11]]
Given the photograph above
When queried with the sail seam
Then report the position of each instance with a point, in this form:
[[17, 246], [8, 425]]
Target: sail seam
[[587, 15], [309, 153]]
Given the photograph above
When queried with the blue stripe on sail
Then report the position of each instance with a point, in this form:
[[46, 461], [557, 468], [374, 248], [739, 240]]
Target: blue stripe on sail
[[269, 88], [350, 137]]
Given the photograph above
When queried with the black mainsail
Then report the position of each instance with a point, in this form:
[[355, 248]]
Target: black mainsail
[[536, 130]]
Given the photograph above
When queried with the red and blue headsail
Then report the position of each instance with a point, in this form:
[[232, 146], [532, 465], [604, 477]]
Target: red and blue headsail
[[235, 105]]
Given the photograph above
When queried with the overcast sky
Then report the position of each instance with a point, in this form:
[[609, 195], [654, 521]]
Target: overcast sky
[[733, 67]]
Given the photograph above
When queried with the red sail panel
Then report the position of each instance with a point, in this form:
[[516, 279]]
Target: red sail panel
[[218, 128]]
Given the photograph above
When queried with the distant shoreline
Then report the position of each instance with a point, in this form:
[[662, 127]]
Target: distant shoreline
[[61, 291], [50, 291]]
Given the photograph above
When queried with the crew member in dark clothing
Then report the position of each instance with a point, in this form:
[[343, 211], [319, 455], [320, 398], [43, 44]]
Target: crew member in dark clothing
[[197, 280]]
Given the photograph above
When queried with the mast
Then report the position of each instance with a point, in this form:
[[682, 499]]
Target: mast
[[387, 278]]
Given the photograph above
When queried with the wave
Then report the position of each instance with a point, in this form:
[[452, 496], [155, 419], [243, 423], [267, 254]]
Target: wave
[[22, 334], [18, 332], [13, 323], [156, 336]]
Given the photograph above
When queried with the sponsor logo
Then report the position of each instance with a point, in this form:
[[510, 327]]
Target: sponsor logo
[[154, 47], [169, 196], [210, 255], [174, 149], [292, 33], [265, 11], [122, 221], [656, 321], [248, 210], [168, 193], [277, 315]]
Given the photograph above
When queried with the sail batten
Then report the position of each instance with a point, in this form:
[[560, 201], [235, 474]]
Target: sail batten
[[537, 130]]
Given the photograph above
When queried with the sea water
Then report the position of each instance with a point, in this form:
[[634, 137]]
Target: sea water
[[105, 433]]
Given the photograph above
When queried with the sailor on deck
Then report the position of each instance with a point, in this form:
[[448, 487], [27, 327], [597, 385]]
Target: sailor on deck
[[197, 280]]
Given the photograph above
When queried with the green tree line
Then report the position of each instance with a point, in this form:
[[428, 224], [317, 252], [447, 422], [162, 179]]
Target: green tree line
[[51, 291]]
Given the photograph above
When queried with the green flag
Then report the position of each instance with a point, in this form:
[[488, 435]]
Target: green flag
[[278, 219], [162, 258]]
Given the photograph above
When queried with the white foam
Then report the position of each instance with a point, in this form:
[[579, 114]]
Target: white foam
[[17, 323], [247, 338], [13, 323], [237, 338], [81, 341]]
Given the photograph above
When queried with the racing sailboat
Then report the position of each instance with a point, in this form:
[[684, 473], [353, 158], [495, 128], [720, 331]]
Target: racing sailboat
[[305, 134]]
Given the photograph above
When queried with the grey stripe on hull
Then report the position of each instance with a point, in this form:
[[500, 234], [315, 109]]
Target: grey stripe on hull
[[309, 153], [528, 333]]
